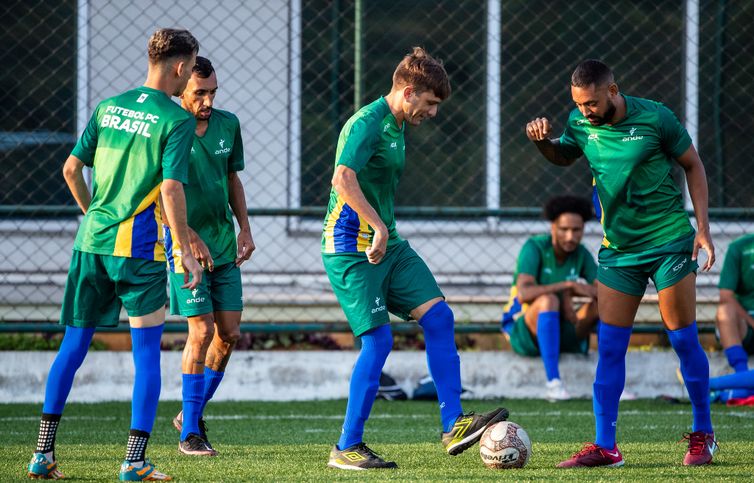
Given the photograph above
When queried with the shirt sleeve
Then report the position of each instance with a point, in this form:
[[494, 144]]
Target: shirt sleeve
[[729, 275], [87, 143], [175, 155], [589, 269], [674, 137], [236, 161], [358, 147], [529, 259], [568, 145]]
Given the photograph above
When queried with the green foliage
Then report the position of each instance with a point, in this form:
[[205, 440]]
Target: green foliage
[[290, 441], [33, 342]]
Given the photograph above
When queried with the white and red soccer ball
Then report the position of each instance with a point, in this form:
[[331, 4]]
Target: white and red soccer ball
[[505, 445]]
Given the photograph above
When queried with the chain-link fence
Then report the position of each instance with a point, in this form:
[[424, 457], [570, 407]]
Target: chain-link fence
[[294, 71]]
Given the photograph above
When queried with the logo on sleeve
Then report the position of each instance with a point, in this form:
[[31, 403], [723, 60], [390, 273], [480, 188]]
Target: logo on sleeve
[[223, 149]]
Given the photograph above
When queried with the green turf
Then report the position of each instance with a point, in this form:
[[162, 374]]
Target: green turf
[[291, 440]]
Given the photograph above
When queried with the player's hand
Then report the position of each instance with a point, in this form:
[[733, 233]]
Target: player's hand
[[191, 267], [703, 240], [376, 251], [200, 251], [245, 247], [538, 129]]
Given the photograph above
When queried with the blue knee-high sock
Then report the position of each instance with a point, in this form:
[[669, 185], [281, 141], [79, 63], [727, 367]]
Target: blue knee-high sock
[[443, 361], [193, 392], [365, 381], [695, 370], [609, 381], [147, 379], [70, 356], [739, 380], [737, 358], [212, 380], [548, 337]]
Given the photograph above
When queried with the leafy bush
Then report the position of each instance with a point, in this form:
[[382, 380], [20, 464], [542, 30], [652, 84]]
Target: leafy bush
[[34, 342]]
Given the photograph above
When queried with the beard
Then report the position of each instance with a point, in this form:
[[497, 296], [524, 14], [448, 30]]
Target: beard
[[607, 117]]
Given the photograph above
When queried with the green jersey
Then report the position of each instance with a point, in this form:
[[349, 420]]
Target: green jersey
[[213, 156], [638, 203], [372, 144], [537, 258], [738, 271], [133, 141]]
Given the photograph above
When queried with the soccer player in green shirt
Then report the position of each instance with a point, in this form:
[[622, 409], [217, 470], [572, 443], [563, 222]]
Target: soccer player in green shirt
[[213, 308], [373, 271], [540, 318], [631, 144], [138, 146], [735, 318]]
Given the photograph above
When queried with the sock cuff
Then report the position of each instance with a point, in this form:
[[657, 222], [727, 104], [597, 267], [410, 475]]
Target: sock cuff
[[51, 417], [212, 373], [146, 336], [193, 379], [691, 328], [736, 351], [440, 309], [138, 433], [612, 331]]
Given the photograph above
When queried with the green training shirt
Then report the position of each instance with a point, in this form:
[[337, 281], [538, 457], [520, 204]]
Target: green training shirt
[[537, 258], [213, 156], [639, 204], [738, 271], [372, 144], [133, 141]]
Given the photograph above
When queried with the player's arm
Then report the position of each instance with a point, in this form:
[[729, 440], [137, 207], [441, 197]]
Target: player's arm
[[538, 131], [73, 172], [696, 179], [237, 200], [174, 203], [529, 290], [729, 297], [346, 184]]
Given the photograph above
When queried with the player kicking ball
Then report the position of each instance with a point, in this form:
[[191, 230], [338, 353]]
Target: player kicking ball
[[214, 307], [374, 271], [630, 144]]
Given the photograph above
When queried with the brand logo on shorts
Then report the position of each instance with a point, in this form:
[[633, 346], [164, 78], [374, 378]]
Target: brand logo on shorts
[[223, 149], [594, 137], [194, 299], [680, 265], [378, 308]]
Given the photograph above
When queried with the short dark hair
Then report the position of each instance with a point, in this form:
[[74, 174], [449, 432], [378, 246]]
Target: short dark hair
[[568, 204], [203, 67], [592, 72], [424, 72], [166, 44]]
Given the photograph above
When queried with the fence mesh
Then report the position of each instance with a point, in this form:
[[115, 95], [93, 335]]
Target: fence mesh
[[295, 71]]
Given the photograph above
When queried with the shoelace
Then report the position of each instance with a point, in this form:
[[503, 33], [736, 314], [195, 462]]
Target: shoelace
[[588, 448], [368, 450], [697, 442]]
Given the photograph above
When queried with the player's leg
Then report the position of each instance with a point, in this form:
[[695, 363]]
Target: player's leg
[[732, 329], [140, 285], [359, 288], [678, 310], [414, 293], [543, 321], [89, 300]]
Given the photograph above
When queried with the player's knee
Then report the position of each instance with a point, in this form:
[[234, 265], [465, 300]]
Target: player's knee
[[230, 337], [547, 303], [201, 332], [439, 318], [726, 315]]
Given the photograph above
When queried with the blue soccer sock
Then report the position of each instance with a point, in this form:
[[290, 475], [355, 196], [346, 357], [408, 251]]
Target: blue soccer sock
[[193, 392], [365, 381], [548, 338], [212, 380], [609, 381], [443, 361], [695, 371], [70, 356], [739, 380], [147, 378], [737, 358]]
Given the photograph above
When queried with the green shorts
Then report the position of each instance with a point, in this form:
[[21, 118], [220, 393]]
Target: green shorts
[[98, 285], [220, 289], [366, 292], [630, 272], [524, 343]]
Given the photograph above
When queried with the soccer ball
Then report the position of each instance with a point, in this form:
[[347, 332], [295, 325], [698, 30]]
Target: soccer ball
[[505, 445]]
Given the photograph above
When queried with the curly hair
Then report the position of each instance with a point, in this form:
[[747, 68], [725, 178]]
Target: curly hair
[[568, 204], [203, 67], [167, 43], [424, 72]]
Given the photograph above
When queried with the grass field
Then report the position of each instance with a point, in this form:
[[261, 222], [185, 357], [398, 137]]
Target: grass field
[[291, 440]]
